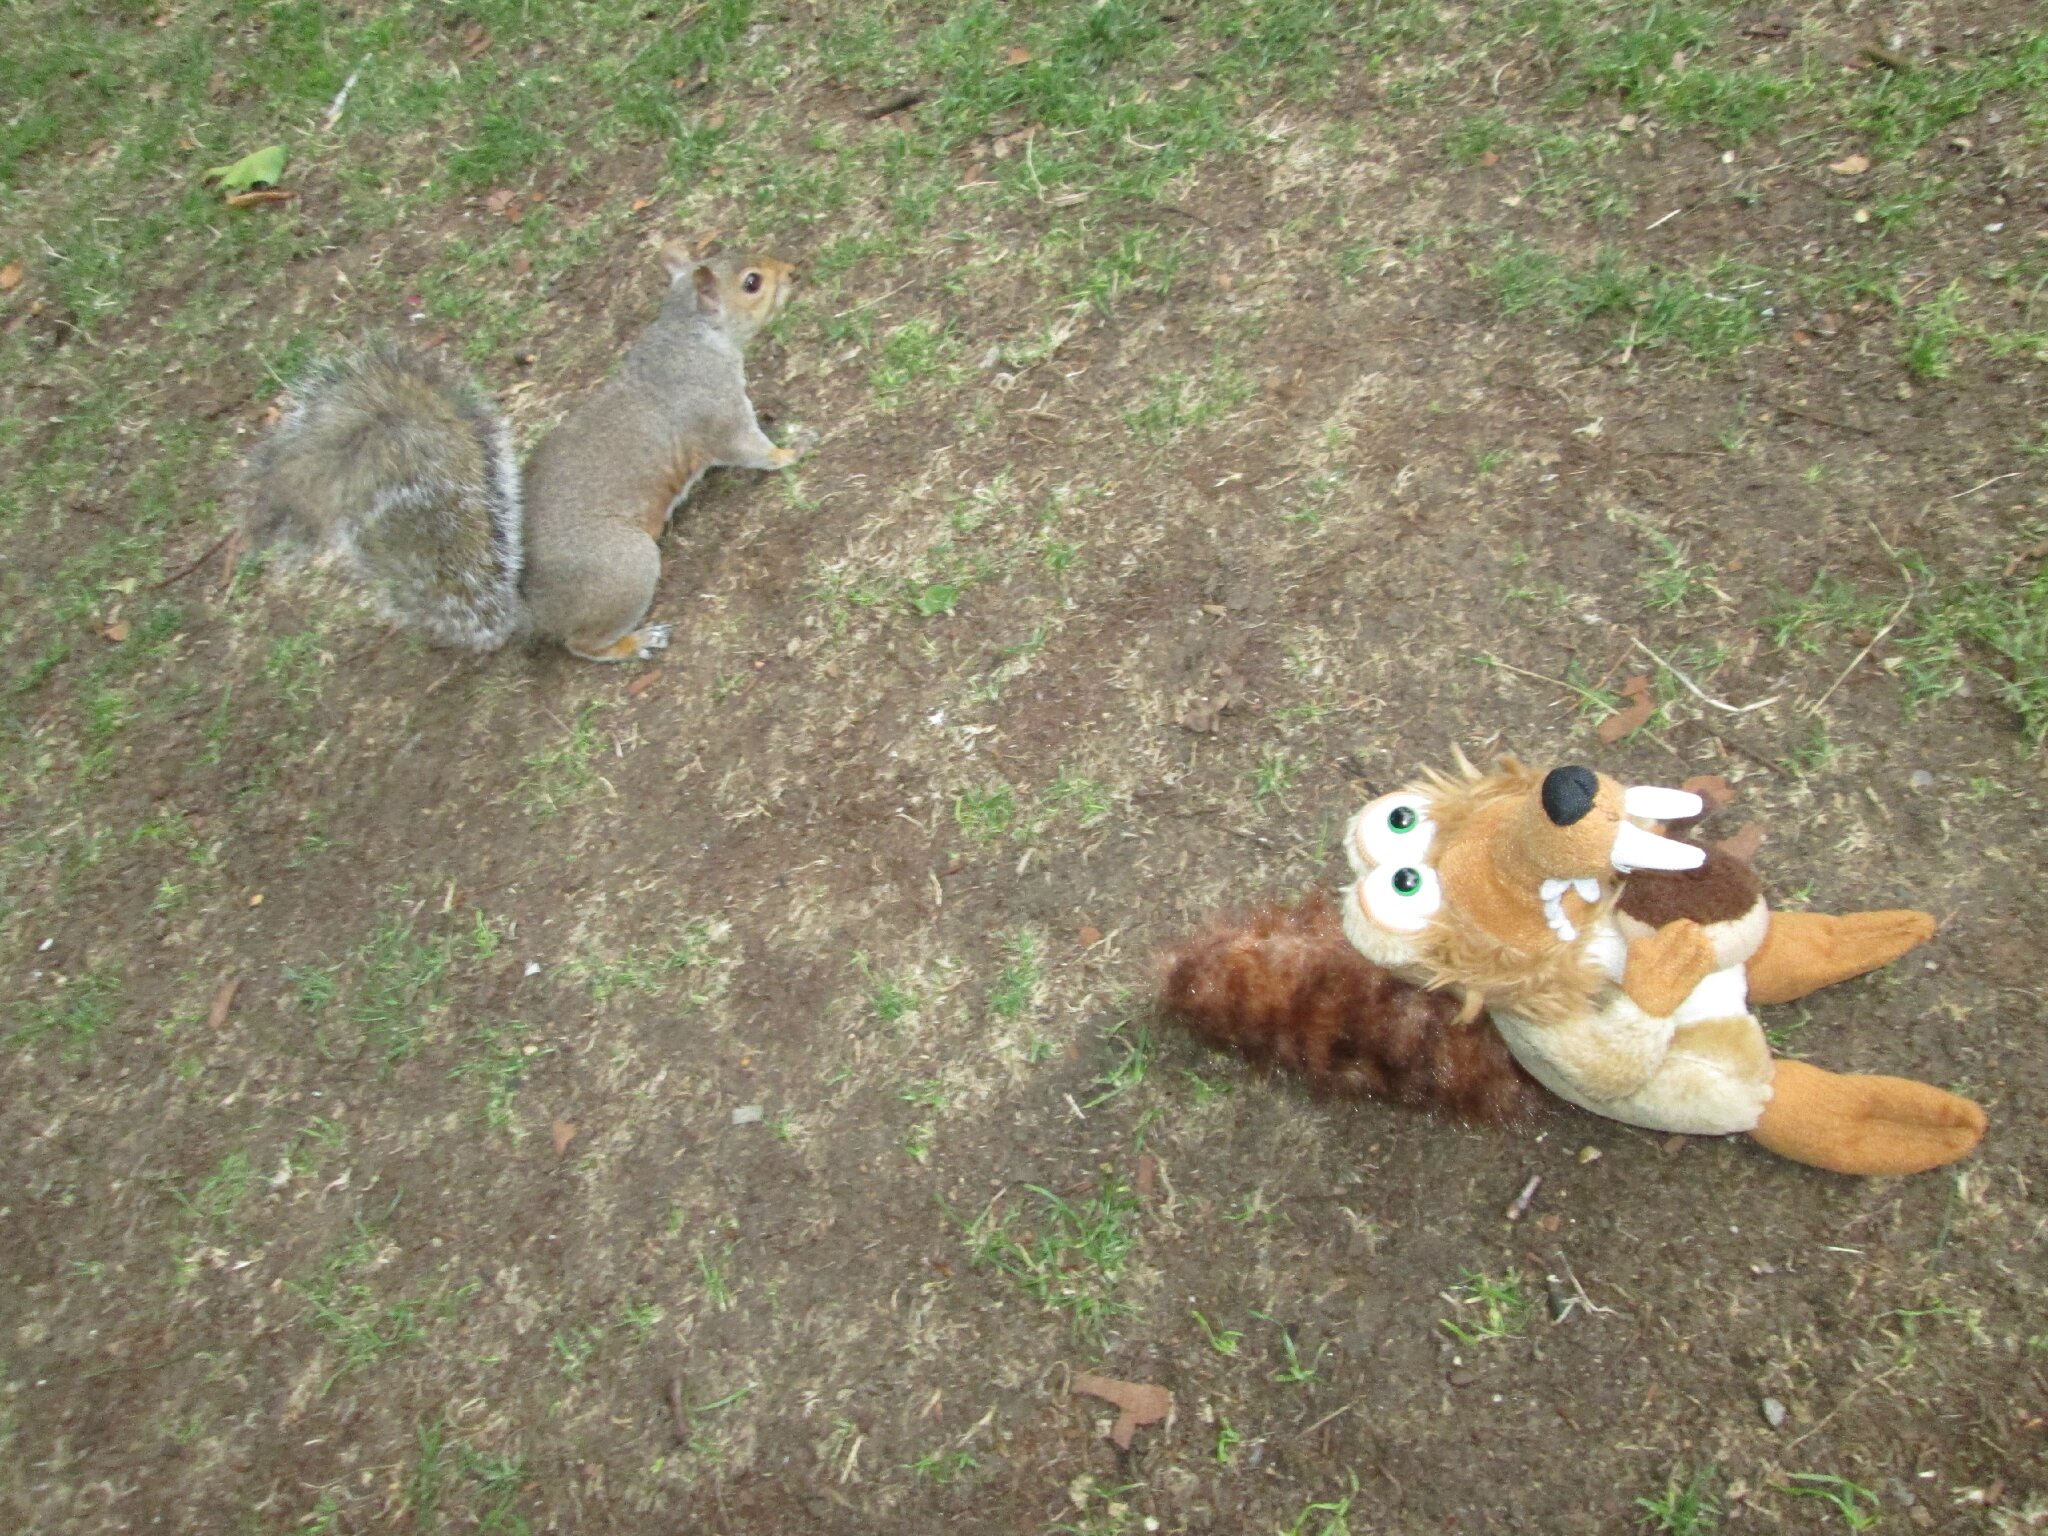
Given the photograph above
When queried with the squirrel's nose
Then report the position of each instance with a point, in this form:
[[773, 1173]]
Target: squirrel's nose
[[1568, 794]]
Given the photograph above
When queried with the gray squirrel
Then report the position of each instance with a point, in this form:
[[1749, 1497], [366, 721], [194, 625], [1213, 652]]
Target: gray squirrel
[[405, 474]]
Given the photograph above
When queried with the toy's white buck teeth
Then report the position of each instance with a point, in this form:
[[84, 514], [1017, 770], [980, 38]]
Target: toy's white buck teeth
[[1653, 803], [1636, 849]]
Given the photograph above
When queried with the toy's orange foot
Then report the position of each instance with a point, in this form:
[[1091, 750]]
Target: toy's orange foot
[[1805, 951], [1865, 1125]]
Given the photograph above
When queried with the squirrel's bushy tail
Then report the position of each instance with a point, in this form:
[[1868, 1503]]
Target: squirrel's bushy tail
[[405, 474], [1285, 987]]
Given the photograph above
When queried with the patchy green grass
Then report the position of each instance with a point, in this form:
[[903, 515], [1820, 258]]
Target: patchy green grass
[[1489, 1307], [74, 1011], [348, 1300], [1686, 1507], [390, 994], [687, 965], [452, 1486], [1709, 313], [565, 774], [1069, 1255], [1856, 1507]]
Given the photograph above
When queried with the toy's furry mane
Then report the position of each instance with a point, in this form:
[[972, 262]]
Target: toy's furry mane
[[1284, 987]]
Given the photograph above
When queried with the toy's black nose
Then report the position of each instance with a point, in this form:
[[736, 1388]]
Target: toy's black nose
[[1568, 794]]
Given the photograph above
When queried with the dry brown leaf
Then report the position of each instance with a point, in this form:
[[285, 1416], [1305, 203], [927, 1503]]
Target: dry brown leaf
[[1632, 715], [1148, 1174], [11, 276], [1138, 1402], [1018, 56], [1090, 935], [643, 682], [520, 264], [1744, 844], [223, 1000], [115, 632], [1712, 788], [1490, 159], [642, 204], [260, 195], [565, 1132], [1851, 165]]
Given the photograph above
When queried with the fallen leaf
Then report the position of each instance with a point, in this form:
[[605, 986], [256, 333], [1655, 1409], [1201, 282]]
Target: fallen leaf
[[520, 264], [1490, 159], [115, 632], [261, 169], [1632, 715], [1017, 56], [475, 40], [642, 683], [642, 204], [565, 1132], [260, 195], [1090, 936], [1139, 1403], [223, 1000], [11, 276], [1712, 788], [1851, 165], [1744, 844], [1148, 1173]]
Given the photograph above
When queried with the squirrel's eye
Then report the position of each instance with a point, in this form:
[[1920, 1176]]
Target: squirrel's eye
[[1394, 829], [1402, 899], [751, 282]]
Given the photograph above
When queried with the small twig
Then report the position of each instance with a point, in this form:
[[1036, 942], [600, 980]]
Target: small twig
[[1826, 421], [1660, 223], [1728, 737], [855, 309], [1590, 695], [1521, 1206], [1319, 1423], [340, 103], [186, 570], [1697, 691], [678, 1411], [893, 105], [1897, 614], [1578, 1298], [1973, 490]]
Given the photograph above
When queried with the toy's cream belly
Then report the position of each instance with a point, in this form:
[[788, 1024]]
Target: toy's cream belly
[[1703, 1071]]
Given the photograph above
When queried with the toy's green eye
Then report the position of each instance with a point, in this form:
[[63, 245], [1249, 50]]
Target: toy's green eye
[[1403, 818], [1407, 882]]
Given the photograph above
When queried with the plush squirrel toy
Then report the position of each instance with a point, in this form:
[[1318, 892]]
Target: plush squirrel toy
[[1619, 965]]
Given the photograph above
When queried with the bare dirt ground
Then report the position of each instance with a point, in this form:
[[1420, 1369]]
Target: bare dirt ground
[[724, 1096]]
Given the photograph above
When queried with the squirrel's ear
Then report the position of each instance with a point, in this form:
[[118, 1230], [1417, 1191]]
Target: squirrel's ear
[[676, 256], [706, 283]]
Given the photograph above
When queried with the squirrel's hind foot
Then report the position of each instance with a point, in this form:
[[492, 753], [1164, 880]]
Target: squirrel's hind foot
[[638, 645]]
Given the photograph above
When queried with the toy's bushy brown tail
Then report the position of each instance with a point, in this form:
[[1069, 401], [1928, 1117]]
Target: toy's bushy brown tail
[[1285, 987]]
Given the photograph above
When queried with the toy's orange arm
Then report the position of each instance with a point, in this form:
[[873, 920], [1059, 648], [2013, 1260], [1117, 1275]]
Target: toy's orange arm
[[1664, 968]]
